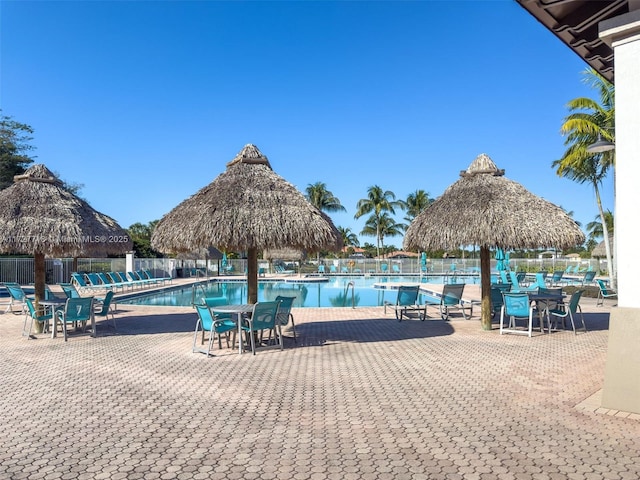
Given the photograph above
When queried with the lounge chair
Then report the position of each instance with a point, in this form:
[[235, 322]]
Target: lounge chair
[[150, 276], [333, 269], [395, 269], [135, 277], [344, 270], [16, 296], [384, 268], [604, 293], [406, 304], [321, 269], [452, 298], [517, 287], [588, 277], [70, 290], [556, 278], [80, 283]]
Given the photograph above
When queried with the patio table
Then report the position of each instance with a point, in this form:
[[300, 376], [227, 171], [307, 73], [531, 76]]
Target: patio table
[[542, 303], [236, 310]]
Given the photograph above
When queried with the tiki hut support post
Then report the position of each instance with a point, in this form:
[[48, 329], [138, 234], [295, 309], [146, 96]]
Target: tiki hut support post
[[485, 281], [40, 280], [252, 275]]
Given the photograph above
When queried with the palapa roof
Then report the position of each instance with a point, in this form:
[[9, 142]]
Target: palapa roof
[[210, 253], [485, 208], [38, 215], [600, 250], [246, 206], [286, 254]]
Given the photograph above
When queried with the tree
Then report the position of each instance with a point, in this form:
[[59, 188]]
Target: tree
[[377, 203], [14, 145], [323, 199], [589, 121], [383, 226], [140, 235], [349, 239], [415, 203], [595, 229]]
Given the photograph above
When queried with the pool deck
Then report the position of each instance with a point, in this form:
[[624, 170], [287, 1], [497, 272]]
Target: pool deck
[[359, 396]]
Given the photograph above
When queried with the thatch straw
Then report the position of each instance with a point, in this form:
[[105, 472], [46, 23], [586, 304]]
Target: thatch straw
[[484, 208], [600, 249], [247, 206], [37, 215], [285, 254]]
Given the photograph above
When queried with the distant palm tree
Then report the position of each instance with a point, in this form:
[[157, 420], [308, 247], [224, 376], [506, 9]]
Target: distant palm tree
[[349, 239], [377, 203], [384, 226], [323, 199], [595, 228], [415, 203], [589, 121]]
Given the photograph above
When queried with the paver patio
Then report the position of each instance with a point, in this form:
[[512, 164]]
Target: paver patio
[[360, 396]]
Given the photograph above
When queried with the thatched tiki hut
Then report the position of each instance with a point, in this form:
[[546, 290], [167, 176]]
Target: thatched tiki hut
[[248, 208], [487, 209], [40, 217]]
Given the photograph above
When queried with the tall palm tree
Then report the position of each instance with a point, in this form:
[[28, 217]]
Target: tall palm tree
[[589, 121], [415, 203], [323, 199], [377, 203]]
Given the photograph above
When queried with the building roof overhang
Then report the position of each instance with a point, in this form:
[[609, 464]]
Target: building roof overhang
[[576, 23]]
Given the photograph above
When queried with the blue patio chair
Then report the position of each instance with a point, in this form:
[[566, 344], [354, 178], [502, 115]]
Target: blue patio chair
[[16, 296], [284, 315], [395, 268], [406, 303], [516, 306], [207, 322], [384, 268], [321, 269], [333, 269], [80, 283], [503, 277], [31, 314], [604, 293], [106, 307], [452, 298], [263, 317], [588, 277], [70, 290], [344, 270], [556, 278], [77, 312], [157, 278], [497, 289], [564, 310]]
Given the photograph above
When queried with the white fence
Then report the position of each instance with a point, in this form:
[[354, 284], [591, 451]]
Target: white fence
[[59, 270]]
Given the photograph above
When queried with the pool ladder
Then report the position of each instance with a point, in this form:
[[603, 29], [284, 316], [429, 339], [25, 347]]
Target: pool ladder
[[353, 294], [194, 294]]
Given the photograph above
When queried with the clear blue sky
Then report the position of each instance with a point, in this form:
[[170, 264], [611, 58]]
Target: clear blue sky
[[145, 102]]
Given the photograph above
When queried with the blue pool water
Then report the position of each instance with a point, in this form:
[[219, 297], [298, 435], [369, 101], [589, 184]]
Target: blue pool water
[[368, 291]]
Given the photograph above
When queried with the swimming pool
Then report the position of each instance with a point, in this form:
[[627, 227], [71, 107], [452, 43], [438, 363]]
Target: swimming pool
[[368, 291]]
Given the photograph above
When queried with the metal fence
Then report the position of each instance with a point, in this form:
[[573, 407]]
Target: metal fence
[[58, 270]]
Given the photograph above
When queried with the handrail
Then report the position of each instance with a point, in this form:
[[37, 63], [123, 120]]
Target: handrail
[[194, 292], [353, 294]]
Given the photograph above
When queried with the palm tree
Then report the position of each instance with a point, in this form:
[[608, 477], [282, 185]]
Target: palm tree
[[383, 226], [323, 199], [595, 228], [415, 203], [589, 121], [377, 203], [349, 239]]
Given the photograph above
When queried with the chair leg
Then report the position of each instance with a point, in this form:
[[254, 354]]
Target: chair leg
[[195, 337], [293, 327]]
